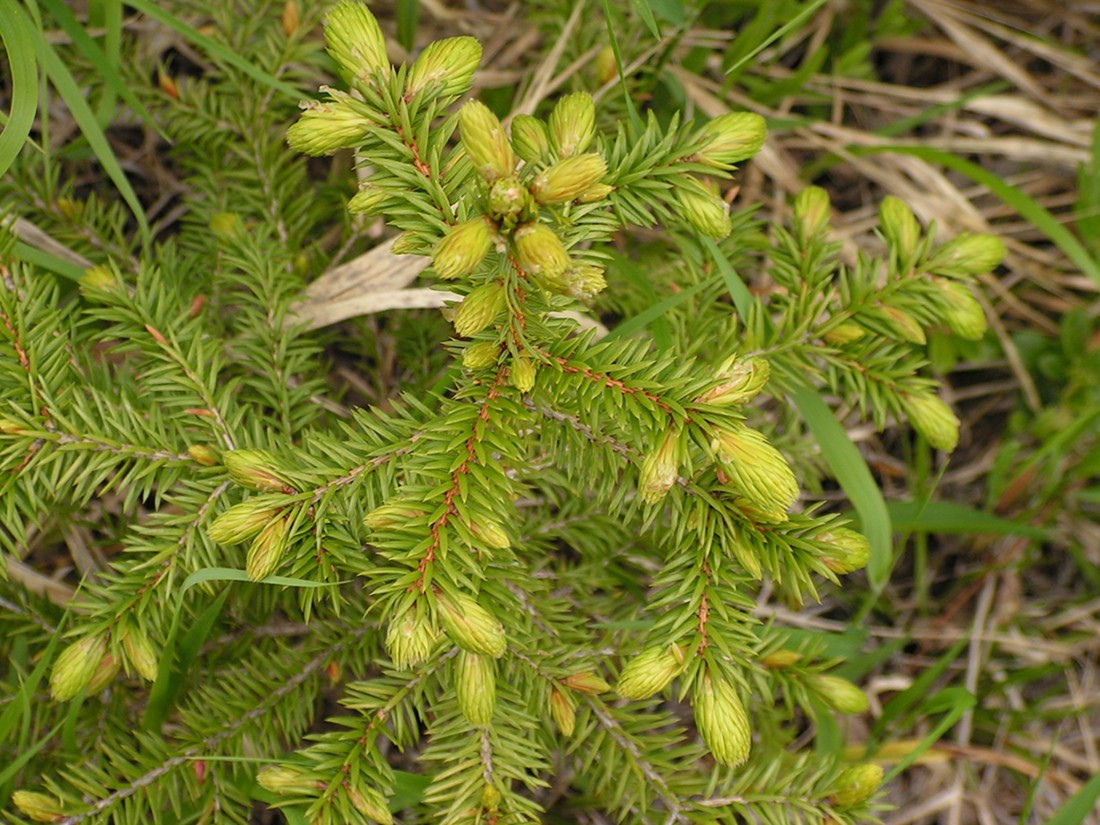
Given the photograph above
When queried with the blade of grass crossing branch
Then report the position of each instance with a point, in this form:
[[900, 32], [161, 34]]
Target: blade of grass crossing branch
[[16, 32], [1027, 207], [791, 25], [71, 93], [1078, 806], [631, 109]]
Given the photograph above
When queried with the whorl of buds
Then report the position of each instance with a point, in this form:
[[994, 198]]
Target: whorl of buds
[[392, 514], [476, 686], [76, 665], [849, 550], [445, 67], [241, 521], [480, 355], [410, 638], [367, 201], [470, 625], [569, 178], [486, 143], [905, 325], [38, 806], [730, 139], [254, 469], [969, 254], [960, 310], [479, 309], [206, 456], [267, 549], [140, 654], [707, 213], [463, 248], [355, 41], [758, 471], [563, 710], [899, 225], [530, 138], [522, 374], [932, 418], [324, 128], [840, 694], [856, 785], [811, 210], [572, 124], [741, 380], [370, 803], [660, 469], [650, 672], [285, 780], [540, 251], [508, 202], [586, 682], [722, 720]]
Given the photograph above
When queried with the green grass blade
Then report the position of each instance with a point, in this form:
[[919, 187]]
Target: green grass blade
[[232, 574], [956, 701], [73, 96], [956, 519], [1078, 806], [854, 477], [742, 299], [1030, 209], [631, 109], [408, 18], [214, 48], [792, 24], [645, 318], [662, 331], [45, 260], [646, 13], [17, 33]]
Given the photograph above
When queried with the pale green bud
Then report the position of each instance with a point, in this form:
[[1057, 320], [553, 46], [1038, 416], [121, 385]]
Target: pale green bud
[[969, 254], [650, 672], [530, 138], [206, 456], [448, 65], [509, 202], [370, 803], [840, 694], [932, 418], [140, 654], [463, 248], [38, 806], [479, 309], [845, 333], [585, 281], [324, 128], [960, 310], [476, 685], [780, 659], [740, 380], [607, 69], [254, 469], [367, 201], [522, 374], [572, 124], [596, 192], [899, 225], [392, 514], [850, 550], [355, 41], [241, 522], [285, 780], [660, 469], [227, 225], [722, 720], [98, 278], [486, 144], [490, 534], [730, 139], [407, 243], [410, 638], [540, 251], [470, 625], [75, 666], [480, 355], [758, 470], [856, 785], [586, 682], [906, 326], [563, 710], [568, 178], [708, 214], [267, 549], [811, 210], [108, 669]]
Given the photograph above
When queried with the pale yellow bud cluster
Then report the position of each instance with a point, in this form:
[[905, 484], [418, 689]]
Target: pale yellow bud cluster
[[840, 694], [485, 141], [286, 780], [740, 380], [899, 226], [479, 309], [540, 251], [563, 710], [324, 128], [463, 248], [355, 41], [856, 785], [811, 210], [959, 309], [445, 67], [476, 687], [267, 549], [531, 139], [848, 550], [722, 720], [933, 419], [730, 139], [968, 254], [471, 626], [410, 638], [572, 124], [38, 806], [660, 469], [370, 803], [522, 374], [242, 521], [757, 470], [651, 671], [255, 469], [705, 211]]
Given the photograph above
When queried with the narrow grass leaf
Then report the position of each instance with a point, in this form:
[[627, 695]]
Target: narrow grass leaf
[[854, 477], [17, 34], [742, 299], [1036, 214], [631, 109], [646, 317], [956, 519], [662, 332], [26, 754], [232, 574], [408, 18], [905, 701], [45, 260], [792, 24], [646, 13], [1078, 807], [956, 701]]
